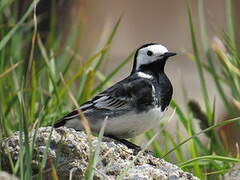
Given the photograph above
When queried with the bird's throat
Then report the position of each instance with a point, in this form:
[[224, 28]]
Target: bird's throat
[[155, 67]]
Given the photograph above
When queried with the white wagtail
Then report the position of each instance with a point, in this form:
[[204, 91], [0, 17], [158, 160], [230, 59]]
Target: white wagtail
[[132, 105]]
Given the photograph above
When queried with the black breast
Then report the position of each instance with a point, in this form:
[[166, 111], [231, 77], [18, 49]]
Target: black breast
[[165, 90], [143, 94]]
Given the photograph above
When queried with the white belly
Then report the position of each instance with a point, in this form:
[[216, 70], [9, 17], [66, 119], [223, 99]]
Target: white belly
[[132, 124], [125, 126]]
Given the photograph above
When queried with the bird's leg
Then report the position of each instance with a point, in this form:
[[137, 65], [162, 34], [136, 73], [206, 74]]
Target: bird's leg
[[129, 144]]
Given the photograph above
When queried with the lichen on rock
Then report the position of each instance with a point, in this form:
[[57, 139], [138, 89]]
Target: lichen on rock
[[69, 149]]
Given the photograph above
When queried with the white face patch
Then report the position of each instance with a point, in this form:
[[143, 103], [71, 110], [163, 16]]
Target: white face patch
[[150, 54]]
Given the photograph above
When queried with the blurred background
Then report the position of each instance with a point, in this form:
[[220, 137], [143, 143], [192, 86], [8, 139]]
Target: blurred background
[[90, 43], [164, 22]]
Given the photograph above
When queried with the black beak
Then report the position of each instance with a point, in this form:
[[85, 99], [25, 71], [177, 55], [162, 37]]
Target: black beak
[[169, 54]]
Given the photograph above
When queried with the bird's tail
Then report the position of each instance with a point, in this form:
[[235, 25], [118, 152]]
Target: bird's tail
[[60, 123], [66, 118]]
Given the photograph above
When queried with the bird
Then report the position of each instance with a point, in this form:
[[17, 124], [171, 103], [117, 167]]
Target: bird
[[133, 105]]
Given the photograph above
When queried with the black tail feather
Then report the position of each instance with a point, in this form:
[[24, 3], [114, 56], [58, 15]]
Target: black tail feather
[[63, 121], [60, 123]]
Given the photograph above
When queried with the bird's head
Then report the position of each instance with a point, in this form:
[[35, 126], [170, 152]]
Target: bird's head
[[151, 57]]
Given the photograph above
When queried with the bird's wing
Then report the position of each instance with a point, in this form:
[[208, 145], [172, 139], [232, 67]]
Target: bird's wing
[[122, 96]]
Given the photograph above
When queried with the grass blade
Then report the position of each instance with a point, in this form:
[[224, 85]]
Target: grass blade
[[204, 131], [4, 41], [109, 41], [94, 158], [198, 63], [135, 158], [120, 66], [10, 69], [209, 158]]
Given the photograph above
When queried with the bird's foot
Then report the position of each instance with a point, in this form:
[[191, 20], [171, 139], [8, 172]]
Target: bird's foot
[[149, 152], [130, 145]]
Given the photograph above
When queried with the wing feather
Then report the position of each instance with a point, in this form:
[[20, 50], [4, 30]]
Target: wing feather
[[122, 96]]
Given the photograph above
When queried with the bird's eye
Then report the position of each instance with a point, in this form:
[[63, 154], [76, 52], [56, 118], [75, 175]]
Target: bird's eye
[[149, 53]]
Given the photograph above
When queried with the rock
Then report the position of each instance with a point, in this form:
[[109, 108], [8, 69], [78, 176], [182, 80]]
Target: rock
[[69, 151], [6, 176], [234, 173]]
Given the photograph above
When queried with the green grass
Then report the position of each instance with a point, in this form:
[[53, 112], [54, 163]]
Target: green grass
[[37, 73], [207, 161], [32, 92]]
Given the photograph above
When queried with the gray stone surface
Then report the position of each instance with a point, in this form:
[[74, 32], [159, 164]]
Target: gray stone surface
[[234, 173], [7, 176], [70, 150]]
